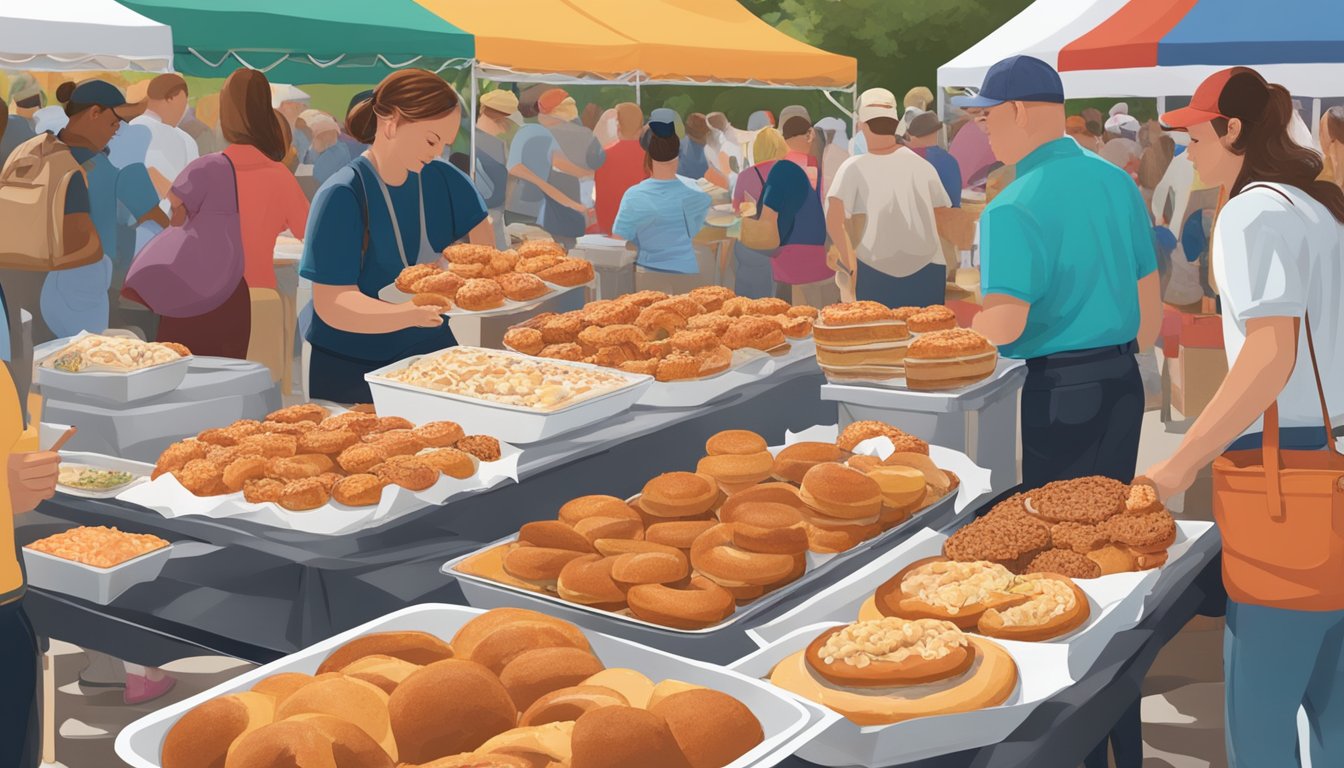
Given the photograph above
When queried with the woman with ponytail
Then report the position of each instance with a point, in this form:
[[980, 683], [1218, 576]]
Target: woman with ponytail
[[1278, 256], [394, 206]]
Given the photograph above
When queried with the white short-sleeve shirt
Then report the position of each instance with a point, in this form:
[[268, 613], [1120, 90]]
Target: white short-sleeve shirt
[[897, 192], [1284, 257]]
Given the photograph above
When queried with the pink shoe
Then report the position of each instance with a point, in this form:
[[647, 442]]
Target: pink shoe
[[140, 689]]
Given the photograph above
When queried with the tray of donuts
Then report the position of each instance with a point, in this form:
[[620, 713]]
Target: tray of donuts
[[480, 280], [308, 468], [684, 564], [443, 686], [697, 346]]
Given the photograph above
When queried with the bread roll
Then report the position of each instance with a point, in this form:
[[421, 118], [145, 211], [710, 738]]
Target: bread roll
[[201, 738], [668, 688], [634, 686], [624, 737], [356, 701], [712, 728], [542, 670], [547, 744], [568, 704], [308, 743], [518, 634], [448, 708], [280, 686], [416, 647], [385, 672]]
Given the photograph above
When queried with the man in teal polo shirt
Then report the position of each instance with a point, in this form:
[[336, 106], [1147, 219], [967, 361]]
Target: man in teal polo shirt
[[1070, 280]]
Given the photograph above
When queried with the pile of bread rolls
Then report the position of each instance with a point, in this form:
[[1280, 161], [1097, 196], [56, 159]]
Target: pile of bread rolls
[[692, 546], [512, 689]]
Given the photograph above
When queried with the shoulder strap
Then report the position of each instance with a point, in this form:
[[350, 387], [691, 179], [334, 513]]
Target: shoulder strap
[[364, 210]]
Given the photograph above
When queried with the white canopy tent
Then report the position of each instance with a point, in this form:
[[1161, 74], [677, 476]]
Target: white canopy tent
[[72, 35]]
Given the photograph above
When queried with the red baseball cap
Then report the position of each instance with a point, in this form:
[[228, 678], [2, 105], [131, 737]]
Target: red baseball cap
[[1204, 105], [551, 99]]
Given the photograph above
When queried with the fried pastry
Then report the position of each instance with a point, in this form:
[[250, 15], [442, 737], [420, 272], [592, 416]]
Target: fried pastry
[[480, 294], [409, 472], [440, 283], [521, 286], [406, 281], [751, 332], [568, 273], [483, 447], [304, 495], [451, 462], [528, 341], [359, 490]]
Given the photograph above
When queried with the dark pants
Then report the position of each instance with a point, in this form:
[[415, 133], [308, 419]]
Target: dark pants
[[222, 332], [924, 288], [340, 379], [1081, 415], [19, 669]]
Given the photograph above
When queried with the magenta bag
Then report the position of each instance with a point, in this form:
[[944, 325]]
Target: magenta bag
[[189, 270]]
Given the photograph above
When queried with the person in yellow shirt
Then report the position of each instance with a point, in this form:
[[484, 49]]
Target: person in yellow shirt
[[30, 478]]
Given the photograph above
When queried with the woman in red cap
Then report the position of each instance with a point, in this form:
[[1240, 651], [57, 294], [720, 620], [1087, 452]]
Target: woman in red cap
[[1278, 257]]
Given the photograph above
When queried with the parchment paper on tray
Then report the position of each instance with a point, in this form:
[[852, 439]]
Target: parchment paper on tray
[[1041, 670], [166, 496], [749, 365]]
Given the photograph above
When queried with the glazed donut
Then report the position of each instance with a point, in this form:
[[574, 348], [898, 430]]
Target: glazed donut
[[702, 604], [715, 555], [636, 568], [617, 547], [554, 534], [587, 580]]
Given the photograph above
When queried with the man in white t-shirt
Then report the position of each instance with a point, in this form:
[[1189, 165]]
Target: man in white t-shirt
[[898, 259], [170, 148]]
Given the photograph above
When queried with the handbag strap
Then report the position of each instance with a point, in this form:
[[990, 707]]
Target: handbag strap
[[1271, 453]]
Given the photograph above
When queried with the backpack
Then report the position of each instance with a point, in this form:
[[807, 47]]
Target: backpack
[[33, 186]]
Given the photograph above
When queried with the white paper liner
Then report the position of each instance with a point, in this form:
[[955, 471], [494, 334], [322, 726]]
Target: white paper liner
[[749, 366], [166, 496], [486, 593], [787, 723], [1042, 672]]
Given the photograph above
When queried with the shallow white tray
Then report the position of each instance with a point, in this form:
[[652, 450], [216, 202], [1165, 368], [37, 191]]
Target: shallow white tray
[[392, 295], [785, 721], [139, 470], [113, 387], [1041, 669], [510, 423], [97, 585], [485, 593]]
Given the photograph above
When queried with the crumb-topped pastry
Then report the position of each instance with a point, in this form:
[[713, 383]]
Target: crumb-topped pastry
[[857, 323], [932, 318], [949, 359], [858, 431]]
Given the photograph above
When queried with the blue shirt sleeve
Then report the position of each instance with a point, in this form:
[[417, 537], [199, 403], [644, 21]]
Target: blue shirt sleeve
[[77, 195], [785, 189], [695, 206], [453, 206], [136, 191], [630, 215], [333, 245], [1014, 261]]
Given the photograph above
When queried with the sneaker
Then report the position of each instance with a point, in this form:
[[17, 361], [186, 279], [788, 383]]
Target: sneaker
[[140, 689]]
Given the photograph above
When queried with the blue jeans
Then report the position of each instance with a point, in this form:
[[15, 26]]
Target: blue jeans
[[753, 276], [924, 288], [1275, 660]]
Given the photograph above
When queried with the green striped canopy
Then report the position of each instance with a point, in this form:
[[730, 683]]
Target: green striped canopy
[[307, 41]]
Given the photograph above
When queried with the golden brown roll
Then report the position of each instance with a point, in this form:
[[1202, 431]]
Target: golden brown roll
[[450, 461], [903, 488], [303, 495], [584, 507], [679, 534], [362, 458], [538, 565], [679, 495], [715, 555], [568, 704], [296, 413], [553, 534], [386, 672], [439, 434], [470, 635], [587, 580], [712, 728], [634, 568], [478, 760], [448, 708], [243, 471], [201, 738], [513, 639], [701, 604], [409, 472], [825, 540], [308, 741], [667, 688], [326, 441], [774, 493], [633, 685], [623, 737], [794, 461], [735, 442], [538, 672], [546, 745], [838, 491], [280, 686], [350, 699], [736, 472], [415, 647]]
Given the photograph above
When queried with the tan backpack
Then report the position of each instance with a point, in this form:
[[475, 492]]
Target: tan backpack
[[33, 186]]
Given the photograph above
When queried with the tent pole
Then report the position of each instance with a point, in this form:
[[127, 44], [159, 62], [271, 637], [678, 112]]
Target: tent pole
[[472, 118], [638, 96]]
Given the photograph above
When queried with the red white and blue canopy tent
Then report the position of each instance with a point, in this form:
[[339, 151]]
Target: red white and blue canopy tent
[[1160, 48]]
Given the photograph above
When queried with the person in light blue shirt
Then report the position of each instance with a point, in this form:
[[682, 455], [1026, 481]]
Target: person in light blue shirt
[[661, 216]]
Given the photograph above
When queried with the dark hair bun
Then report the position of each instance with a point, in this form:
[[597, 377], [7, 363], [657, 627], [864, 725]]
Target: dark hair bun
[[64, 91]]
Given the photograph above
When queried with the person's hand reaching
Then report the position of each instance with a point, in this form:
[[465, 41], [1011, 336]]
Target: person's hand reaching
[[424, 316], [32, 479]]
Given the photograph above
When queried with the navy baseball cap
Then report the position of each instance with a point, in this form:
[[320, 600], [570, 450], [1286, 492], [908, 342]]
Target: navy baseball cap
[[100, 93], [1016, 78]]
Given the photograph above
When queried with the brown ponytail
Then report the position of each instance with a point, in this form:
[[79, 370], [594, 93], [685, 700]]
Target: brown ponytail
[[246, 116], [63, 93], [410, 94], [1266, 111]]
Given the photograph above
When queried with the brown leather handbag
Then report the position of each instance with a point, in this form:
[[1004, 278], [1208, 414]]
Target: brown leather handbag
[[1281, 515]]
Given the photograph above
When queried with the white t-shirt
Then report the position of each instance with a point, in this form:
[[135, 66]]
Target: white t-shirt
[[171, 149], [897, 192], [1273, 258]]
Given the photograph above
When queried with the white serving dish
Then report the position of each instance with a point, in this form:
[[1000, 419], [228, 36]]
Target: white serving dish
[[97, 585], [786, 722], [485, 593], [510, 423], [1042, 672], [114, 387], [748, 366], [393, 295], [140, 473]]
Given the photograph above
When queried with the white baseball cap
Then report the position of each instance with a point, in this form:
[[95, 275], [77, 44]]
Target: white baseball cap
[[877, 102], [280, 93]]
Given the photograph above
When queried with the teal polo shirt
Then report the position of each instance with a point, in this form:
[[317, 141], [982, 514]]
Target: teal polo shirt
[[1071, 237]]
